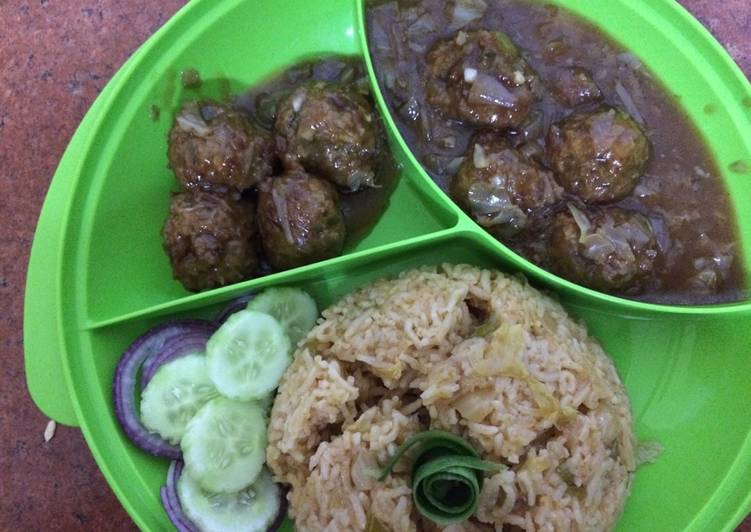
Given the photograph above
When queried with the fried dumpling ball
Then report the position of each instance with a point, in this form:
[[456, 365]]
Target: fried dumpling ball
[[331, 131], [500, 187], [300, 220], [481, 78], [210, 239], [598, 156], [214, 147], [610, 249]]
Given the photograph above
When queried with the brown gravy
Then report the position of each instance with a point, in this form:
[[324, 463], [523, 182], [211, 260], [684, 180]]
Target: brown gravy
[[680, 192]]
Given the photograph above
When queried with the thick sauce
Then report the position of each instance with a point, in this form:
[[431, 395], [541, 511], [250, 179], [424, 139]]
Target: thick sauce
[[680, 192]]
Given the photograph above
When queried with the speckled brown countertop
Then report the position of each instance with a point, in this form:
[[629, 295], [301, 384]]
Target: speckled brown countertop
[[55, 57]]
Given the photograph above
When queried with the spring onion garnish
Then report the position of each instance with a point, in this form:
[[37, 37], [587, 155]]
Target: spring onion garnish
[[447, 475]]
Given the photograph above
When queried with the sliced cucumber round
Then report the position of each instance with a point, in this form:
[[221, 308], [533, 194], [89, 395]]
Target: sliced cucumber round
[[224, 446], [248, 355], [174, 395], [293, 308], [252, 509]]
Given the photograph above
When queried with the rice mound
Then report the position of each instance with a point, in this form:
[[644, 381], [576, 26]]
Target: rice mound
[[475, 352]]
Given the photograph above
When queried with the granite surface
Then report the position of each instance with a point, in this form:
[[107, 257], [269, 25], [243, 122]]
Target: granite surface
[[55, 58]]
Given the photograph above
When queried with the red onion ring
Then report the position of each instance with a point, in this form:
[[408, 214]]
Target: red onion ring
[[125, 382], [236, 305], [178, 329], [281, 517], [178, 347], [171, 501]]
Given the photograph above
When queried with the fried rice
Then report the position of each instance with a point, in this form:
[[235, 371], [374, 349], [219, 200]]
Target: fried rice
[[475, 352]]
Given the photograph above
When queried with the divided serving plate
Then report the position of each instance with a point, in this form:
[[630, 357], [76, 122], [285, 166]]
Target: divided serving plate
[[98, 276]]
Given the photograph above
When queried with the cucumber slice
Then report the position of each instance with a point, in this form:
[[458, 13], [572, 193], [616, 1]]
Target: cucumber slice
[[253, 509], [248, 355], [293, 308], [224, 446], [173, 396]]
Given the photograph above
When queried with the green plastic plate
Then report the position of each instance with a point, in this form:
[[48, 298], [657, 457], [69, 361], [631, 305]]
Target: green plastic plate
[[98, 276]]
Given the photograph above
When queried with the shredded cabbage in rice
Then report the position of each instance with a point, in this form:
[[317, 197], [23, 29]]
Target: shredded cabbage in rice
[[471, 351]]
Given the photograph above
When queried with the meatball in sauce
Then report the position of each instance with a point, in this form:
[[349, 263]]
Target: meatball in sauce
[[501, 188], [610, 249], [212, 146], [329, 130], [598, 156], [300, 220], [480, 77], [210, 239]]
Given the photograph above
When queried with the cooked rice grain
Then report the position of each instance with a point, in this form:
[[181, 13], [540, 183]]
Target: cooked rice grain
[[475, 352]]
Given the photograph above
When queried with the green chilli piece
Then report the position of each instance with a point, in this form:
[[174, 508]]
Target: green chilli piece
[[447, 475]]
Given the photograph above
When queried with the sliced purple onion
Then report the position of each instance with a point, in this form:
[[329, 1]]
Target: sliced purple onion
[[190, 120], [490, 91], [177, 329], [171, 501], [628, 102], [236, 305], [125, 384], [178, 347], [283, 507]]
